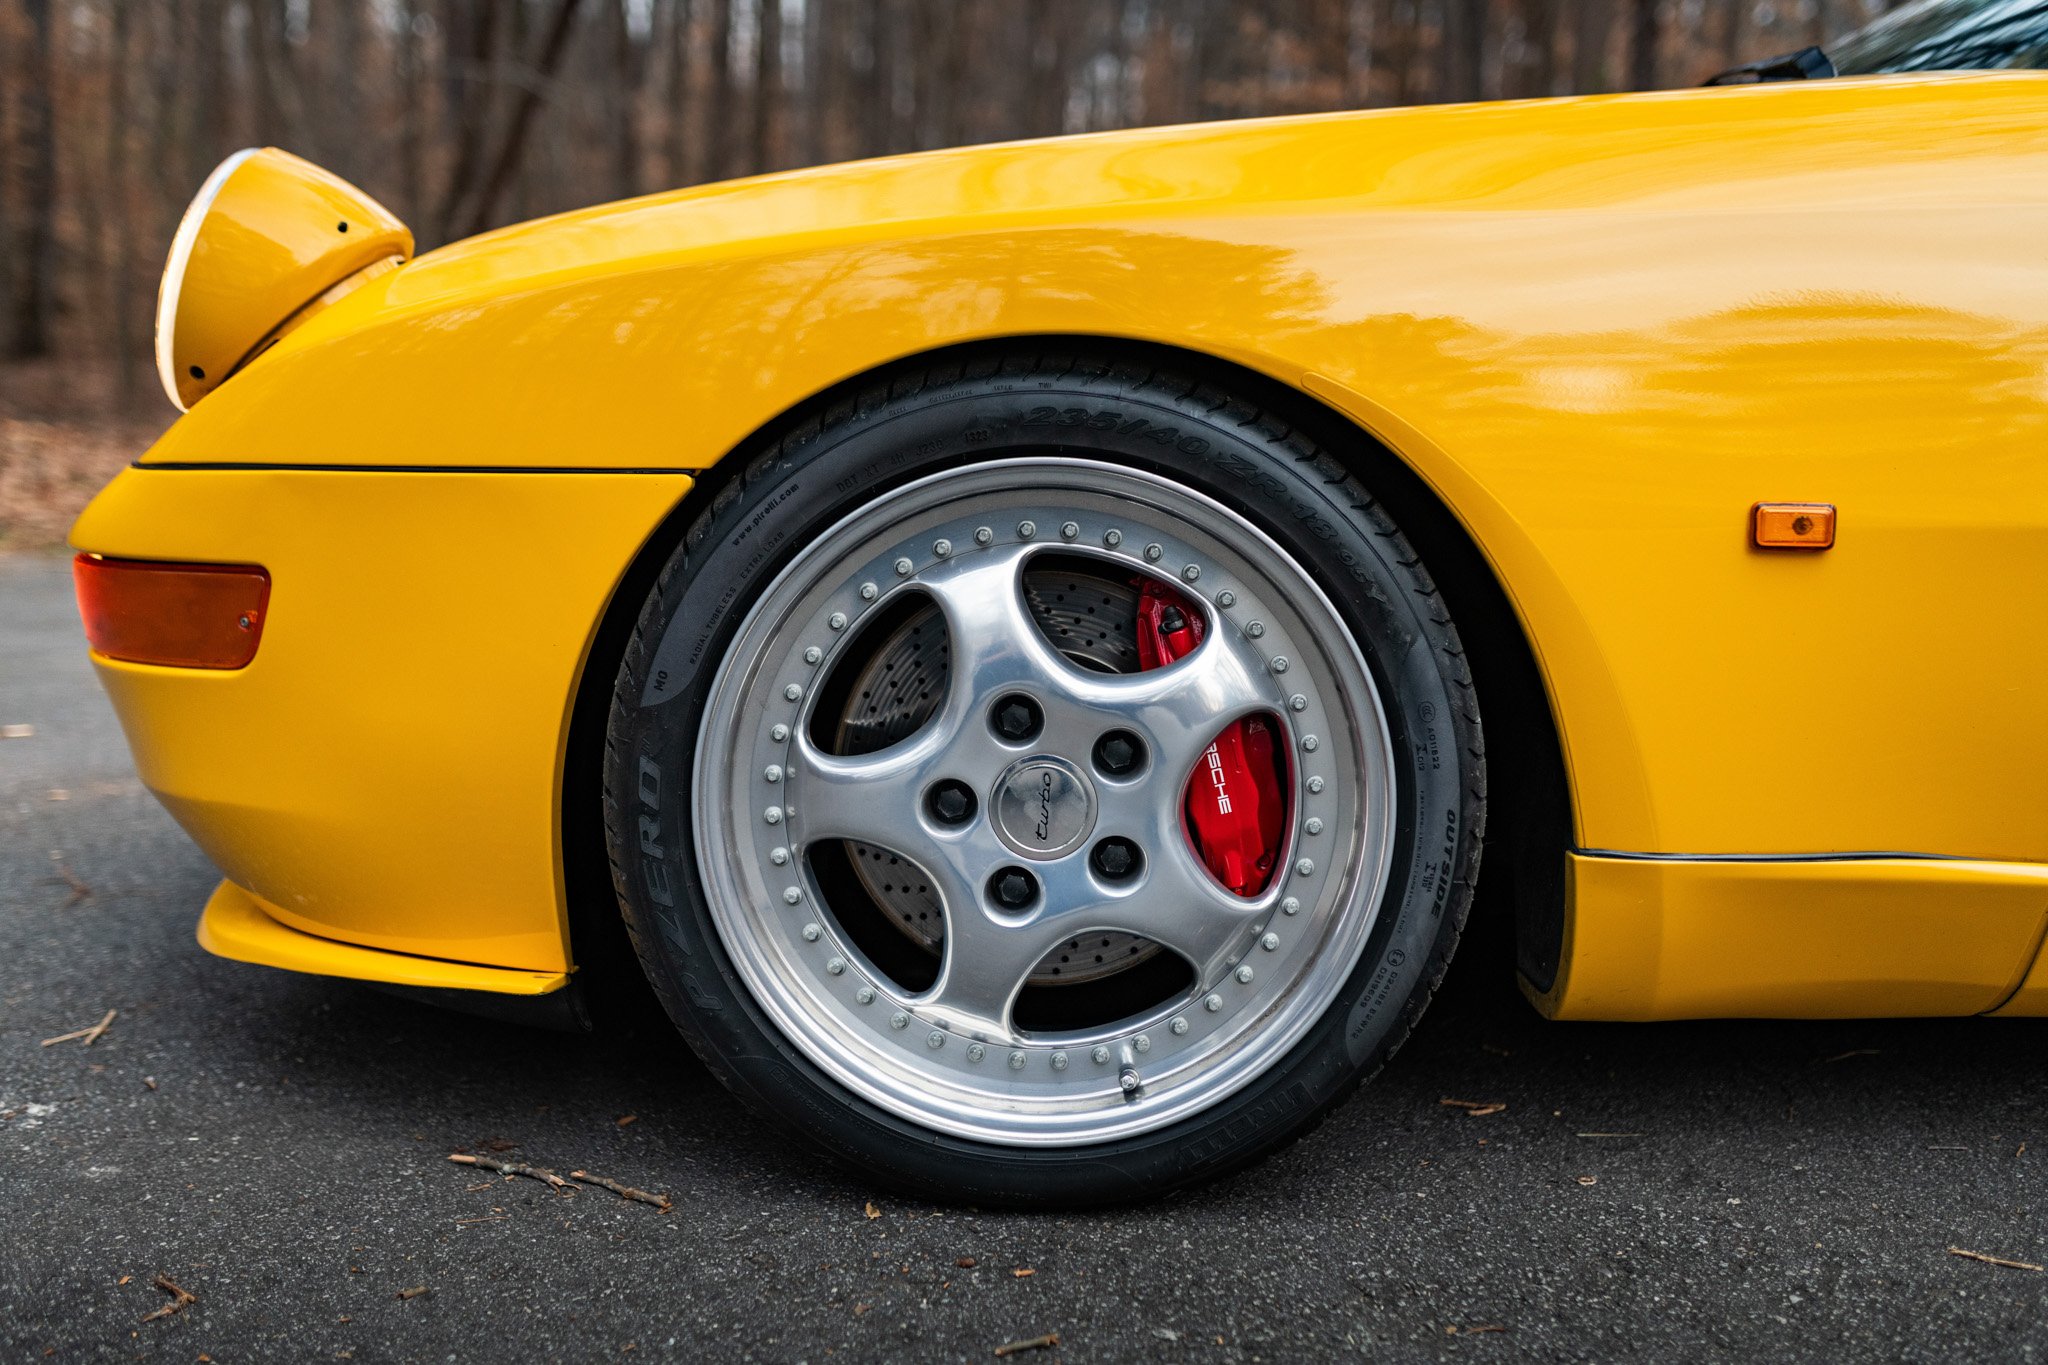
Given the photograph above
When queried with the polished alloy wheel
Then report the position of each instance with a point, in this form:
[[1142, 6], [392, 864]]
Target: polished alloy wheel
[[947, 819]]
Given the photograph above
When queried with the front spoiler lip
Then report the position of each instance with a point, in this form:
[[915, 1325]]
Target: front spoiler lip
[[235, 925]]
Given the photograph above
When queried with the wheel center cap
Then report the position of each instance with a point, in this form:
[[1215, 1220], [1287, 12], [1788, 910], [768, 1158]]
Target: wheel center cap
[[1043, 807]]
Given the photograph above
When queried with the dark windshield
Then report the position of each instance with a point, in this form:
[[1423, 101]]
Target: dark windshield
[[1948, 35]]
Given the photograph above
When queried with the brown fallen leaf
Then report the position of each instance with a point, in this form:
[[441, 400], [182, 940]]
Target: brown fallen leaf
[[1995, 1260], [1023, 1272], [1455, 1330], [124, 1279], [59, 794], [1589, 1180], [625, 1119], [413, 1292], [871, 1211], [860, 1308], [149, 1081], [1039, 1343], [965, 1263], [79, 890]]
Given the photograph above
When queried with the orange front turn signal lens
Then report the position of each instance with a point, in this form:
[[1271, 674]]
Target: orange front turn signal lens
[[1794, 525], [177, 615]]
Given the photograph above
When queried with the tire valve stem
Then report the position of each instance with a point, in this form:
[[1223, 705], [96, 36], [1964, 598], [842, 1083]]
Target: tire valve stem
[[1128, 1080]]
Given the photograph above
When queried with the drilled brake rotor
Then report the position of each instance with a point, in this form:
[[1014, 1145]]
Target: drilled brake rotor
[[1094, 622]]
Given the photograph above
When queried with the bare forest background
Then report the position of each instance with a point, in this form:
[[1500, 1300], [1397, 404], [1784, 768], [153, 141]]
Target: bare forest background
[[465, 114]]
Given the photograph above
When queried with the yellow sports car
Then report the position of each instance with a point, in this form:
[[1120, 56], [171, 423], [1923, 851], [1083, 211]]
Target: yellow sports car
[[1024, 646]]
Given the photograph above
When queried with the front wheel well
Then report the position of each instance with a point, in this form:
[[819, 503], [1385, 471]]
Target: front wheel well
[[1519, 912]]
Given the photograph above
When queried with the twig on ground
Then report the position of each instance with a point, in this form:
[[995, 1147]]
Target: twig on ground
[[79, 890], [1994, 1260], [1040, 1343], [660, 1201], [179, 1299], [90, 1035], [413, 1292], [1606, 1135], [1853, 1052], [492, 1218], [513, 1168], [1478, 1109]]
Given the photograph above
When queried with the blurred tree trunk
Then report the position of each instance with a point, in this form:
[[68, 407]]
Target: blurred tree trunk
[[118, 220], [682, 17], [33, 274], [622, 94], [527, 102], [767, 101], [718, 118], [1464, 50], [1644, 36]]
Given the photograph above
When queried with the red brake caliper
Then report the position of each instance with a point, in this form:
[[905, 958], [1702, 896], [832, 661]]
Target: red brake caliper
[[1237, 796]]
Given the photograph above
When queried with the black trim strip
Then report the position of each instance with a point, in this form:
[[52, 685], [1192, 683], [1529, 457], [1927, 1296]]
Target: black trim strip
[[408, 468], [1864, 856]]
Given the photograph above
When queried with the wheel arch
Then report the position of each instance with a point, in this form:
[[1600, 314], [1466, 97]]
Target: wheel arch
[[1521, 913]]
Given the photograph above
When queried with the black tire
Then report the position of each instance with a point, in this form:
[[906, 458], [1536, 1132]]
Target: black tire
[[919, 419]]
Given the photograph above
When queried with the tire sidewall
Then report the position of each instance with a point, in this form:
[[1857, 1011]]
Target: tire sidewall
[[804, 486]]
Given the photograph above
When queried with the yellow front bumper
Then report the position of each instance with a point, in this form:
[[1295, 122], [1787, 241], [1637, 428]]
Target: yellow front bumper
[[386, 774]]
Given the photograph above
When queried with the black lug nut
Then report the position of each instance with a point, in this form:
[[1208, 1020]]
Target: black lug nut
[[1116, 859], [950, 802], [1171, 622], [1012, 888], [1119, 753], [1017, 717]]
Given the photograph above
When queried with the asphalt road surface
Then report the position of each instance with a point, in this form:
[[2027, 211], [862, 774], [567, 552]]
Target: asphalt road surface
[[276, 1146]]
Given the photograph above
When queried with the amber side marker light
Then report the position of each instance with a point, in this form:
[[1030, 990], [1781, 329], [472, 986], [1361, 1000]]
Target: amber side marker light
[[177, 615], [1793, 525]]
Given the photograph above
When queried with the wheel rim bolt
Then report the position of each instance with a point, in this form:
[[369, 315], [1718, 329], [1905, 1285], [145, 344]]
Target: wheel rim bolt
[[1154, 550], [1314, 824], [1255, 629], [1191, 572], [975, 1052], [869, 592], [1226, 599], [811, 933], [779, 856], [1290, 906], [837, 966], [778, 732], [1309, 744], [1213, 1003], [791, 895], [837, 620], [1012, 888], [865, 995], [1112, 538], [1315, 785], [983, 535], [793, 692], [903, 568], [773, 815], [1017, 718], [1305, 867], [1270, 942], [1298, 702], [1027, 529], [1244, 974], [1179, 1025], [1101, 1055], [1142, 1043], [1279, 663], [899, 1020], [1016, 1061], [1119, 753], [1059, 1061], [813, 655], [1070, 529], [1116, 859], [951, 802], [935, 1040], [772, 773]]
